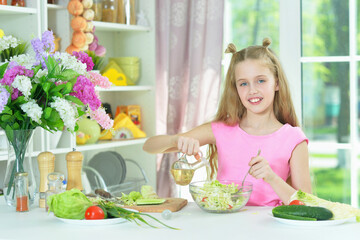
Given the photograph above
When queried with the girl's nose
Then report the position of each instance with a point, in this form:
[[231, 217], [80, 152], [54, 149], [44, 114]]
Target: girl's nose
[[252, 88]]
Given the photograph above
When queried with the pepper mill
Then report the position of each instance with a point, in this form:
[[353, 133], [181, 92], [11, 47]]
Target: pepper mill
[[46, 163], [74, 164]]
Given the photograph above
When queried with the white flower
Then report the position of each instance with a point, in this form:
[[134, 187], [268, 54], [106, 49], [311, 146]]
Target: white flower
[[23, 83], [39, 74], [66, 110], [24, 60], [7, 42], [33, 110], [71, 62]]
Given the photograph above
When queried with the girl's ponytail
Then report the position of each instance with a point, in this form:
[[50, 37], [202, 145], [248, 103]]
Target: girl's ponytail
[[266, 42], [231, 48]]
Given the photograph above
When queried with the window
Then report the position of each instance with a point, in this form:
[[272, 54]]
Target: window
[[317, 39]]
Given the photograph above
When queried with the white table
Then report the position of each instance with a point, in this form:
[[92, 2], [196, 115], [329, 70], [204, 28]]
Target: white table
[[250, 223]]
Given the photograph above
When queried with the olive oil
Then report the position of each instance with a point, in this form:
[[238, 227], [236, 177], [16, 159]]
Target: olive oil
[[182, 177]]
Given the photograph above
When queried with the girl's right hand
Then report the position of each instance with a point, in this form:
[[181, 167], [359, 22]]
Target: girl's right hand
[[189, 146]]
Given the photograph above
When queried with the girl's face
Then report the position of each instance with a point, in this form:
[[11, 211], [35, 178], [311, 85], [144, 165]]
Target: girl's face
[[256, 85]]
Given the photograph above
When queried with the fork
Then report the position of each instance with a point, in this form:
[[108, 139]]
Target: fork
[[242, 184]]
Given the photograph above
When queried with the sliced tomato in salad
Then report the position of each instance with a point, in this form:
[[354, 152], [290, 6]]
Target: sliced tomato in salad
[[204, 199], [296, 202]]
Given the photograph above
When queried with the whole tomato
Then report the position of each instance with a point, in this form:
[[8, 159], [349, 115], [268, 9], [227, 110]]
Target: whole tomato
[[296, 202], [94, 212]]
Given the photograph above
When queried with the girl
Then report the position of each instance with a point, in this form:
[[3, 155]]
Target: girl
[[255, 114]]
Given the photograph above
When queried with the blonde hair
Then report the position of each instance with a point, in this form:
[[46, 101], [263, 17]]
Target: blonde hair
[[231, 110]]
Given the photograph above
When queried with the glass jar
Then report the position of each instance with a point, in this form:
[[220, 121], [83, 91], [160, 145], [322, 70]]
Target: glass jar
[[97, 8], [20, 3], [121, 12], [109, 11], [22, 191], [55, 186]]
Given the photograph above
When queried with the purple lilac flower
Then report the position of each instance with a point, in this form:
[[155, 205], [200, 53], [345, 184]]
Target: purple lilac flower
[[48, 41], [43, 46], [84, 58], [4, 96], [38, 47], [85, 91]]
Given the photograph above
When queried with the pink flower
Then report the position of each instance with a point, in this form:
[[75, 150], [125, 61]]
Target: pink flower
[[85, 91], [100, 116], [11, 74], [84, 58], [99, 80]]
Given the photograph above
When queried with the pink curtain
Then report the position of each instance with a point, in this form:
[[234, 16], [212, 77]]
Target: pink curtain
[[189, 50]]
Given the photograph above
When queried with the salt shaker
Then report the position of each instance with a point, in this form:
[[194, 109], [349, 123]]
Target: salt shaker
[[22, 191], [55, 186]]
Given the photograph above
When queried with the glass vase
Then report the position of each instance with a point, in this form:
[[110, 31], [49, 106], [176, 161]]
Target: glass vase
[[19, 160]]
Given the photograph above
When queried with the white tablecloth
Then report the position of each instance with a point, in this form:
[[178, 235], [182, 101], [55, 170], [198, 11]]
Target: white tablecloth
[[250, 223]]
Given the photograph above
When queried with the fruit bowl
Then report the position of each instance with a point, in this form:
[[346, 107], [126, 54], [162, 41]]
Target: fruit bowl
[[220, 196]]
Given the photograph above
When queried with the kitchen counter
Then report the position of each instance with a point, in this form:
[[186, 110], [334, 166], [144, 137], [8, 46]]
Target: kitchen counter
[[250, 223]]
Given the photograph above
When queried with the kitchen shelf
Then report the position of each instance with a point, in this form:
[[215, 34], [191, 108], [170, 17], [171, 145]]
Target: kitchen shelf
[[55, 7], [118, 27], [12, 10], [109, 144], [125, 88], [4, 155]]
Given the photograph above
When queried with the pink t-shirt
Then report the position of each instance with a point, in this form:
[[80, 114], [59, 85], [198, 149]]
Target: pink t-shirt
[[236, 148]]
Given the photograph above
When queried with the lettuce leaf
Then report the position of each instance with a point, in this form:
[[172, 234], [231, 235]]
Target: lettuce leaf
[[71, 204]]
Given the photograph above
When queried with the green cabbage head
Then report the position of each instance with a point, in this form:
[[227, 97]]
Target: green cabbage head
[[71, 204]]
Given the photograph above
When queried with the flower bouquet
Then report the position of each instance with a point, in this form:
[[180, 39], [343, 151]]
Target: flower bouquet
[[10, 46], [51, 91]]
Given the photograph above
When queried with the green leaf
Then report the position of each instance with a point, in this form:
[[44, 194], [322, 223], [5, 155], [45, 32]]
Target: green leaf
[[2, 69], [20, 100], [46, 86], [57, 94], [69, 74], [51, 65], [68, 88], [5, 117], [58, 88], [74, 100], [59, 125], [7, 110], [33, 89], [19, 116], [47, 112], [54, 117], [16, 126]]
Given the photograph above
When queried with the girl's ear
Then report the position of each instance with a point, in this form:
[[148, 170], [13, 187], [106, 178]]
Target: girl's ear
[[277, 85]]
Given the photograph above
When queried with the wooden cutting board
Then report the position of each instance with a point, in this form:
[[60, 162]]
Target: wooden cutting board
[[173, 204]]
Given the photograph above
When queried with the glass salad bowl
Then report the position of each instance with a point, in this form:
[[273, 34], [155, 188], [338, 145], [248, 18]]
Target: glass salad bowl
[[220, 196]]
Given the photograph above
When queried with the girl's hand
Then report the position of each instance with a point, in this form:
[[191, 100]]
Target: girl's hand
[[189, 146], [260, 168]]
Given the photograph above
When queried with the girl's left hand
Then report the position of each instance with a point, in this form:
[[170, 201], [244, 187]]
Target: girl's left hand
[[260, 168]]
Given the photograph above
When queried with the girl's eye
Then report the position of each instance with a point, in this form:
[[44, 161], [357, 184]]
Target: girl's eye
[[243, 84], [261, 80]]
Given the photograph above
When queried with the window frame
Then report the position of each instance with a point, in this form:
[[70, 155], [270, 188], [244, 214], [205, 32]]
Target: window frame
[[290, 54]]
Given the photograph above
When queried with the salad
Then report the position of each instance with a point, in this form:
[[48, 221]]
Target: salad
[[217, 197]]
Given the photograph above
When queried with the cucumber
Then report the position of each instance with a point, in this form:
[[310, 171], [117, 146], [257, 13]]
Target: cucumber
[[148, 201], [296, 211]]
